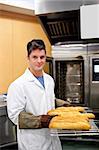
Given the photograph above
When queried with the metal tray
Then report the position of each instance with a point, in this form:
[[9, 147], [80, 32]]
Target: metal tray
[[62, 132]]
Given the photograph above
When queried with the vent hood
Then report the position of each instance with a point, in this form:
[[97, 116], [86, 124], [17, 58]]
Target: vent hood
[[61, 27], [61, 19]]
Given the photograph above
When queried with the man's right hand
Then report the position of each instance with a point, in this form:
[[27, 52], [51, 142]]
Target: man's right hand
[[45, 120]]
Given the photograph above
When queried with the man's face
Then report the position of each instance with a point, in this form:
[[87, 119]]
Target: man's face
[[37, 60]]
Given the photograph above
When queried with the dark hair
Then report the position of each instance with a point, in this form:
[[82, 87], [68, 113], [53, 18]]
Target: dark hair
[[35, 44]]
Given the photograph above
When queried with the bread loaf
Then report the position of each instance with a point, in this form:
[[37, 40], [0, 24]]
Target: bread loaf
[[70, 126], [73, 118], [61, 112], [77, 108], [68, 114], [89, 115], [59, 122]]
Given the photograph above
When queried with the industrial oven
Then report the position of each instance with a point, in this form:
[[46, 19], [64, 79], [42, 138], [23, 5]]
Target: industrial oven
[[75, 68], [76, 73], [69, 73], [7, 128]]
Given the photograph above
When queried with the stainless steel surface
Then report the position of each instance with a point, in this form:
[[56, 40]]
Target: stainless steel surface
[[50, 6], [7, 128], [94, 86], [93, 99], [68, 54], [3, 104], [89, 52]]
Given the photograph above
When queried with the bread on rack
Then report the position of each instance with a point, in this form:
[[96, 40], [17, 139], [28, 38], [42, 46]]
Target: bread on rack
[[59, 122], [71, 108], [68, 114], [73, 118], [89, 115]]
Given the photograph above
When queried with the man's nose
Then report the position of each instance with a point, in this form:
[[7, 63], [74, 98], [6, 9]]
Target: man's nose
[[39, 59]]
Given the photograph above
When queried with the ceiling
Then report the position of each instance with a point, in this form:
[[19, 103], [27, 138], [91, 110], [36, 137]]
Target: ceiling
[[49, 6]]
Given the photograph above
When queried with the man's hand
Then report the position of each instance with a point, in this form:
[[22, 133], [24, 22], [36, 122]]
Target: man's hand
[[67, 104], [45, 120], [60, 103]]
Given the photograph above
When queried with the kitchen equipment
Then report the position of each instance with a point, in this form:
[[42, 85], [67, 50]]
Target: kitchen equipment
[[7, 128], [62, 26], [73, 59], [71, 73]]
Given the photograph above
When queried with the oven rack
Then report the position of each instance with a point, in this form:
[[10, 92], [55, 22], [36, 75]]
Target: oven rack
[[74, 133]]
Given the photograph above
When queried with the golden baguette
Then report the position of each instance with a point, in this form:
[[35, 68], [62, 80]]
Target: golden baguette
[[60, 112], [70, 126], [67, 114], [89, 115], [68, 119], [77, 108]]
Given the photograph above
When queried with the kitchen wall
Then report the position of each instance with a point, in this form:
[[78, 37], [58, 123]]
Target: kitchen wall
[[15, 31]]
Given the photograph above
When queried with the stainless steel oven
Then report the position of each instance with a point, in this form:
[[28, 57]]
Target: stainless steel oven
[[93, 57], [7, 128], [70, 68]]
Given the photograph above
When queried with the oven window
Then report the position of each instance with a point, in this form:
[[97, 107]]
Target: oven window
[[95, 69], [70, 81]]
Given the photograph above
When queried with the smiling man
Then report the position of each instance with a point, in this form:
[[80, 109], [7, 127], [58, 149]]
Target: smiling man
[[29, 99]]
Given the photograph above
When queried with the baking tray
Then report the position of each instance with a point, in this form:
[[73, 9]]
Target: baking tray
[[62, 132]]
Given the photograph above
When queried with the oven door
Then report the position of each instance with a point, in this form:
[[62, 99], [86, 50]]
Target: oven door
[[69, 78], [94, 82]]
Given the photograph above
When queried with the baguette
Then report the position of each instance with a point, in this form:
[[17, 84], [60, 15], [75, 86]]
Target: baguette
[[74, 123], [77, 108], [70, 126], [60, 112], [71, 119], [89, 115]]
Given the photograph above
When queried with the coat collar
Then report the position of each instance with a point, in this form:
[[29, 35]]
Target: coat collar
[[31, 78]]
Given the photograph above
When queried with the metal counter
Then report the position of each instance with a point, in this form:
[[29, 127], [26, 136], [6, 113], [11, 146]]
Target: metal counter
[[7, 128]]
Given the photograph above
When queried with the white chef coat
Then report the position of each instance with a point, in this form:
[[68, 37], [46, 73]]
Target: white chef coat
[[27, 94]]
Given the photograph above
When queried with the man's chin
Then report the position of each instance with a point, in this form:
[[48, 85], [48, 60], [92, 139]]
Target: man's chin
[[39, 69]]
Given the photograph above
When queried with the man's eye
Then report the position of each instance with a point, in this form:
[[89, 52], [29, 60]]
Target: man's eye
[[34, 57], [42, 57]]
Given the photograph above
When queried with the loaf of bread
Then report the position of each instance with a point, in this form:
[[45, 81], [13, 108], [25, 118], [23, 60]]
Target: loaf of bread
[[64, 110], [68, 114], [89, 115], [60, 122], [77, 108], [61, 112], [73, 118]]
